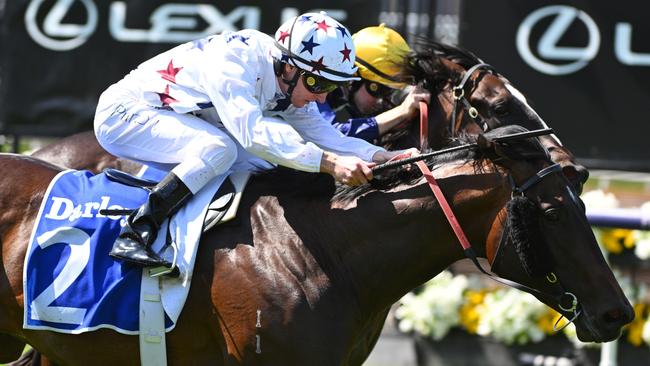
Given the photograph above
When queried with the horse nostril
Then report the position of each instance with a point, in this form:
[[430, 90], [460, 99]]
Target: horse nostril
[[617, 315]]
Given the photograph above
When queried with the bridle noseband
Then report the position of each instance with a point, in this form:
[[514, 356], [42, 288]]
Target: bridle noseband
[[555, 168]]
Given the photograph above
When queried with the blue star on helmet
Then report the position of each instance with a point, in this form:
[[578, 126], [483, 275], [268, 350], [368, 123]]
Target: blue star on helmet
[[204, 105], [200, 43], [309, 45], [239, 37], [304, 18], [344, 32]]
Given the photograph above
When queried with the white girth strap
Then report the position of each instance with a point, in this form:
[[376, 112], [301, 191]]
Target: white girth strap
[[153, 351], [239, 180]]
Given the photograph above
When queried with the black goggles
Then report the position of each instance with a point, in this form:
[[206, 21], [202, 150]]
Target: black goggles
[[317, 84], [377, 90]]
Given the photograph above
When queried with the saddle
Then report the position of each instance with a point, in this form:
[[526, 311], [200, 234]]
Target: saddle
[[81, 215], [223, 206]]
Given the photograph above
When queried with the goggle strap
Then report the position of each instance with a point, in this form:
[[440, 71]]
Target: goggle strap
[[292, 83], [376, 71]]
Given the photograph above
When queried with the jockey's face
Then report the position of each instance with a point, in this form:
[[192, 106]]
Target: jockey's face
[[300, 95], [366, 103]]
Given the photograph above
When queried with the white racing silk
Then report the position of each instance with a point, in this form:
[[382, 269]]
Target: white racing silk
[[232, 74]]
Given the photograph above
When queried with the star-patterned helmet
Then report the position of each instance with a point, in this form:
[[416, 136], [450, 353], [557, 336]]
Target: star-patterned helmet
[[318, 44]]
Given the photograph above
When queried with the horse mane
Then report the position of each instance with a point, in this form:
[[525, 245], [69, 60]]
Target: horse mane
[[289, 182], [524, 149], [402, 175], [423, 63]]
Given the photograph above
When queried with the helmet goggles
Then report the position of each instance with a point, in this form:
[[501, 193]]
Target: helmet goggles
[[376, 89], [316, 84]]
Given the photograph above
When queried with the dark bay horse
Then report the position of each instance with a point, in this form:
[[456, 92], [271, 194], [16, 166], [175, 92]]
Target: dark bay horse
[[440, 68], [322, 266]]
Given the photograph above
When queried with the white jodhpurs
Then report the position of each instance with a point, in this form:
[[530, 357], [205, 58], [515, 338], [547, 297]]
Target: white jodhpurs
[[129, 128]]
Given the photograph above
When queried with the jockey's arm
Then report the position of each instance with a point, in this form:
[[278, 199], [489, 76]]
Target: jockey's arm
[[361, 128], [403, 112], [313, 127]]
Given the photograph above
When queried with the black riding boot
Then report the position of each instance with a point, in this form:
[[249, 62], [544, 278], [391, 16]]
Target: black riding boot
[[134, 243]]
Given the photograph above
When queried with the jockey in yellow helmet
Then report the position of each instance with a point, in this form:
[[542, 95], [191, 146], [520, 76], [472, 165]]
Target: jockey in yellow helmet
[[364, 109]]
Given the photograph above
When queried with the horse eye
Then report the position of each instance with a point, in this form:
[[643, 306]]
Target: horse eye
[[501, 109], [552, 214]]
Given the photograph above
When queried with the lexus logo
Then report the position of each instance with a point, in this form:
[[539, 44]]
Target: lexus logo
[[56, 35], [572, 58], [170, 22]]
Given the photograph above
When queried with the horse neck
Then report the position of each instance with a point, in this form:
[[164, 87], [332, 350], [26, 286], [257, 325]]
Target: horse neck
[[401, 238]]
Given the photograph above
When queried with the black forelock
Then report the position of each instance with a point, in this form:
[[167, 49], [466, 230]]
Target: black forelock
[[423, 62]]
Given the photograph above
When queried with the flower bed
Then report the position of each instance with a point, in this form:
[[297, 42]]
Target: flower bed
[[504, 314]]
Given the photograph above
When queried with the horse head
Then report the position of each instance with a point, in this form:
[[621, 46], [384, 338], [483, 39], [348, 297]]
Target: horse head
[[542, 239], [516, 209], [471, 96]]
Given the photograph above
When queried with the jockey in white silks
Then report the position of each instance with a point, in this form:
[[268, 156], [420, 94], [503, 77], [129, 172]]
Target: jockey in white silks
[[261, 93]]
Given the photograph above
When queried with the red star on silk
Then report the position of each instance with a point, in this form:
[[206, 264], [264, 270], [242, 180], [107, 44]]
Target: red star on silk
[[165, 98], [283, 35], [170, 73], [318, 65], [346, 52], [322, 25]]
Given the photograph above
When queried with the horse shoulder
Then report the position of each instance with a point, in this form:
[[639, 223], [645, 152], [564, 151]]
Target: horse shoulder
[[266, 285]]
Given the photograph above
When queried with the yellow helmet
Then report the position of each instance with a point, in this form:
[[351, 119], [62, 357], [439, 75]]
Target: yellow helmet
[[380, 51]]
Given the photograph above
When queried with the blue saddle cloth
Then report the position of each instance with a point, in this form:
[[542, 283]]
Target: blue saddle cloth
[[71, 284]]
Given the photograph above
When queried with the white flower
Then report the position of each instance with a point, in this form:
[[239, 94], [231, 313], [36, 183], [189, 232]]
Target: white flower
[[511, 317], [434, 310], [642, 248]]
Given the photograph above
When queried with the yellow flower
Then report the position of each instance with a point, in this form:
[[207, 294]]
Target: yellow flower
[[635, 329], [548, 320], [470, 312], [615, 240]]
